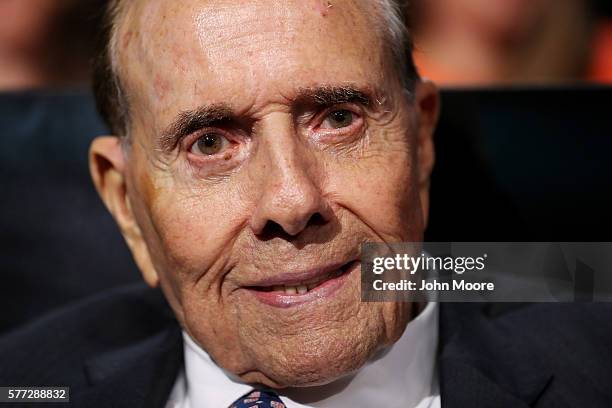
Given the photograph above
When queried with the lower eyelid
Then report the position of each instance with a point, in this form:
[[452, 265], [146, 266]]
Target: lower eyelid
[[345, 135], [211, 157]]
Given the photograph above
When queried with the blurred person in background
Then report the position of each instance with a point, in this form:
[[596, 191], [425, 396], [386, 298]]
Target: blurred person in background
[[488, 42], [46, 43]]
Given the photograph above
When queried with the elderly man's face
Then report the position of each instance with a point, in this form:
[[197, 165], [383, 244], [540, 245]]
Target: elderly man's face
[[270, 139]]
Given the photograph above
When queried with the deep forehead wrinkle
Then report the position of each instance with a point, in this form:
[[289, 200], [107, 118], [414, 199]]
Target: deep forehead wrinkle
[[214, 22]]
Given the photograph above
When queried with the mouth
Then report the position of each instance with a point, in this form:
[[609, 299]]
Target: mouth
[[297, 288]]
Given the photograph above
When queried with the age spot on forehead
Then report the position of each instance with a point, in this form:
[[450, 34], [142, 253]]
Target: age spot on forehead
[[162, 86], [323, 7]]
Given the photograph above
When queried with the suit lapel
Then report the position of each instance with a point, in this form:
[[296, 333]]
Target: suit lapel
[[141, 375], [480, 364]]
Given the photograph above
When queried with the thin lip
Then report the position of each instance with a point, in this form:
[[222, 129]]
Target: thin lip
[[295, 278], [326, 290]]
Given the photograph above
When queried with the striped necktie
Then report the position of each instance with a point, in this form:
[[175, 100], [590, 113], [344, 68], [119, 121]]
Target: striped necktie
[[259, 399]]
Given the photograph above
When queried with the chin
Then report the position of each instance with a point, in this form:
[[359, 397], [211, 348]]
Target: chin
[[322, 350], [326, 362]]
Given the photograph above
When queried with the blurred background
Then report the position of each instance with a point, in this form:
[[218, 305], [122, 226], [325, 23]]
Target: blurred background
[[48, 43], [463, 43], [522, 147]]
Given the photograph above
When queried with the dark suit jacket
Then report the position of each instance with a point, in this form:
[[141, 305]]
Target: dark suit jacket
[[124, 349]]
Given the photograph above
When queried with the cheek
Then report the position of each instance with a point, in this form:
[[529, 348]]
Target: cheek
[[195, 232], [188, 229], [381, 189], [194, 237]]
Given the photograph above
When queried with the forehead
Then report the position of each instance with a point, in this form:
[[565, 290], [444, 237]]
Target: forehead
[[176, 55]]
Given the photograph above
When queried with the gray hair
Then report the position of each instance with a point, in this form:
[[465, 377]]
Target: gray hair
[[112, 100], [394, 17]]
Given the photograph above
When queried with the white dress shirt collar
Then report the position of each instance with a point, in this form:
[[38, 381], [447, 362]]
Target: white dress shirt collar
[[404, 376]]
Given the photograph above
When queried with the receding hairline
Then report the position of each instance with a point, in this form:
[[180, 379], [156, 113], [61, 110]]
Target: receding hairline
[[121, 10]]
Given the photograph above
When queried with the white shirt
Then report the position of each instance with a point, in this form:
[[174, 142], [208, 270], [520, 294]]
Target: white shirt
[[403, 376]]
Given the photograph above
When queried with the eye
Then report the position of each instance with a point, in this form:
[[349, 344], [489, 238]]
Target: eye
[[338, 119], [210, 144]]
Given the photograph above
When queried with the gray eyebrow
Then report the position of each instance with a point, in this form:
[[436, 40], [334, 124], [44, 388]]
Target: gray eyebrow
[[332, 95], [190, 121]]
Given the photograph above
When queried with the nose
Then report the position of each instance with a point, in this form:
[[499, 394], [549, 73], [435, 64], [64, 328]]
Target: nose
[[290, 197]]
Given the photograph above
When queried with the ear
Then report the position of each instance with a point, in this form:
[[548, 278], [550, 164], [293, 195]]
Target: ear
[[108, 170], [427, 104]]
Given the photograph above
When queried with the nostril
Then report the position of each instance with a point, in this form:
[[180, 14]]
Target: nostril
[[317, 219], [273, 230]]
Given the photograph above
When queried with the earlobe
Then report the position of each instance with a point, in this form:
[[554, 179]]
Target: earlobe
[[108, 171]]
